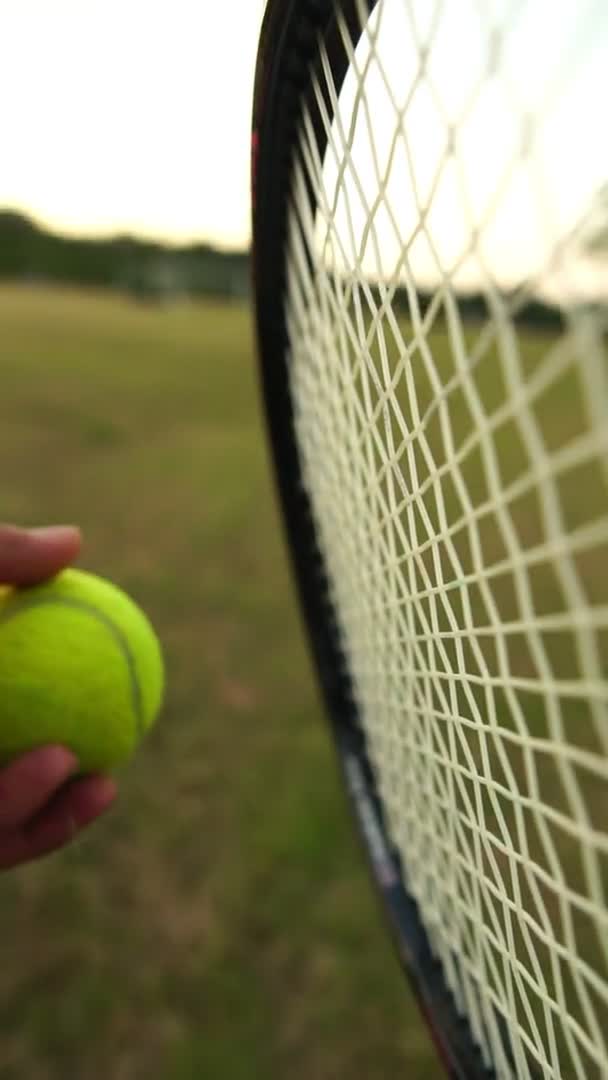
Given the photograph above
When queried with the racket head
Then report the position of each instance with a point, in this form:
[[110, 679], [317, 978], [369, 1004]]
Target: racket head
[[281, 72], [297, 39]]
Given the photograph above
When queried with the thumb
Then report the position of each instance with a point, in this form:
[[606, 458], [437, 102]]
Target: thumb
[[28, 556]]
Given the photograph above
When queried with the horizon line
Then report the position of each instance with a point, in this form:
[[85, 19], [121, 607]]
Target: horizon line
[[115, 232]]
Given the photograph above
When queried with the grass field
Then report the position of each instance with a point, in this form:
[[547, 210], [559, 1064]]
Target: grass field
[[219, 922]]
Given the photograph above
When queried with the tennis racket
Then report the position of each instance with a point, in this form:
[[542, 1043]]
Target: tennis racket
[[430, 247]]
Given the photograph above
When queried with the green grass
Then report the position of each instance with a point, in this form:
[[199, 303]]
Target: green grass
[[219, 922]]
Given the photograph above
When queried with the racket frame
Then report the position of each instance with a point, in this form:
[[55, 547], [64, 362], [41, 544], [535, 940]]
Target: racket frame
[[287, 52]]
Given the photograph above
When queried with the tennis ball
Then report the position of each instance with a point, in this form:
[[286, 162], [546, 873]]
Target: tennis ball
[[80, 665]]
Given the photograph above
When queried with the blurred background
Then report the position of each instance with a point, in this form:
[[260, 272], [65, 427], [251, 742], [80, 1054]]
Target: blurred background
[[219, 922]]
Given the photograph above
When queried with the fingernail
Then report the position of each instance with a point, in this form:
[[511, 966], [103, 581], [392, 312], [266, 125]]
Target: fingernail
[[107, 790], [55, 532], [63, 759]]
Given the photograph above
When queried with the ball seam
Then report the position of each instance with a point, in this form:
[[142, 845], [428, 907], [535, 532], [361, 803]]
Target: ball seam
[[120, 639]]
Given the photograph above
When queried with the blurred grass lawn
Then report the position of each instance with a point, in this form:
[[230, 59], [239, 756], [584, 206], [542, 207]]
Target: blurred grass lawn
[[219, 923]]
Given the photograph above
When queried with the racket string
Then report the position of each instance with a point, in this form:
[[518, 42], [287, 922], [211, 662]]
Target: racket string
[[456, 459]]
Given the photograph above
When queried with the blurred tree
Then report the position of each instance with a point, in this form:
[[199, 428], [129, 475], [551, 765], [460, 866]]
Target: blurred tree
[[147, 270]]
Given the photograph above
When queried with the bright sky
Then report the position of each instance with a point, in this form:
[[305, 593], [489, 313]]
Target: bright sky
[[529, 157], [135, 115], [129, 114]]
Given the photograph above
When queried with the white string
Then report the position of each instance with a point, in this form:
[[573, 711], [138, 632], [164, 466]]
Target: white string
[[457, 465]]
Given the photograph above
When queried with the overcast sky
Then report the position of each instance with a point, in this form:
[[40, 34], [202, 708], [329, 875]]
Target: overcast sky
[[135, 115], [524, 164], [129, 114]]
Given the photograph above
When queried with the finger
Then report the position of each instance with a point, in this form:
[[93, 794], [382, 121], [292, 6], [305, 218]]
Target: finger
[[27, 784], [75, 806], [28, 556]]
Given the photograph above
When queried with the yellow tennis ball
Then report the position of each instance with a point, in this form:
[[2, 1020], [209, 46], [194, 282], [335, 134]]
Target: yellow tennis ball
[[80, 665]]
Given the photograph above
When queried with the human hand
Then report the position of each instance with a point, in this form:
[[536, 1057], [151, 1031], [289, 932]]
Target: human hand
[[42, 805]]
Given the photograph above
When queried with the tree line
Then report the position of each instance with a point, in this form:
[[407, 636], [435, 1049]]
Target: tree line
[[154, 271], [144, 268]]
